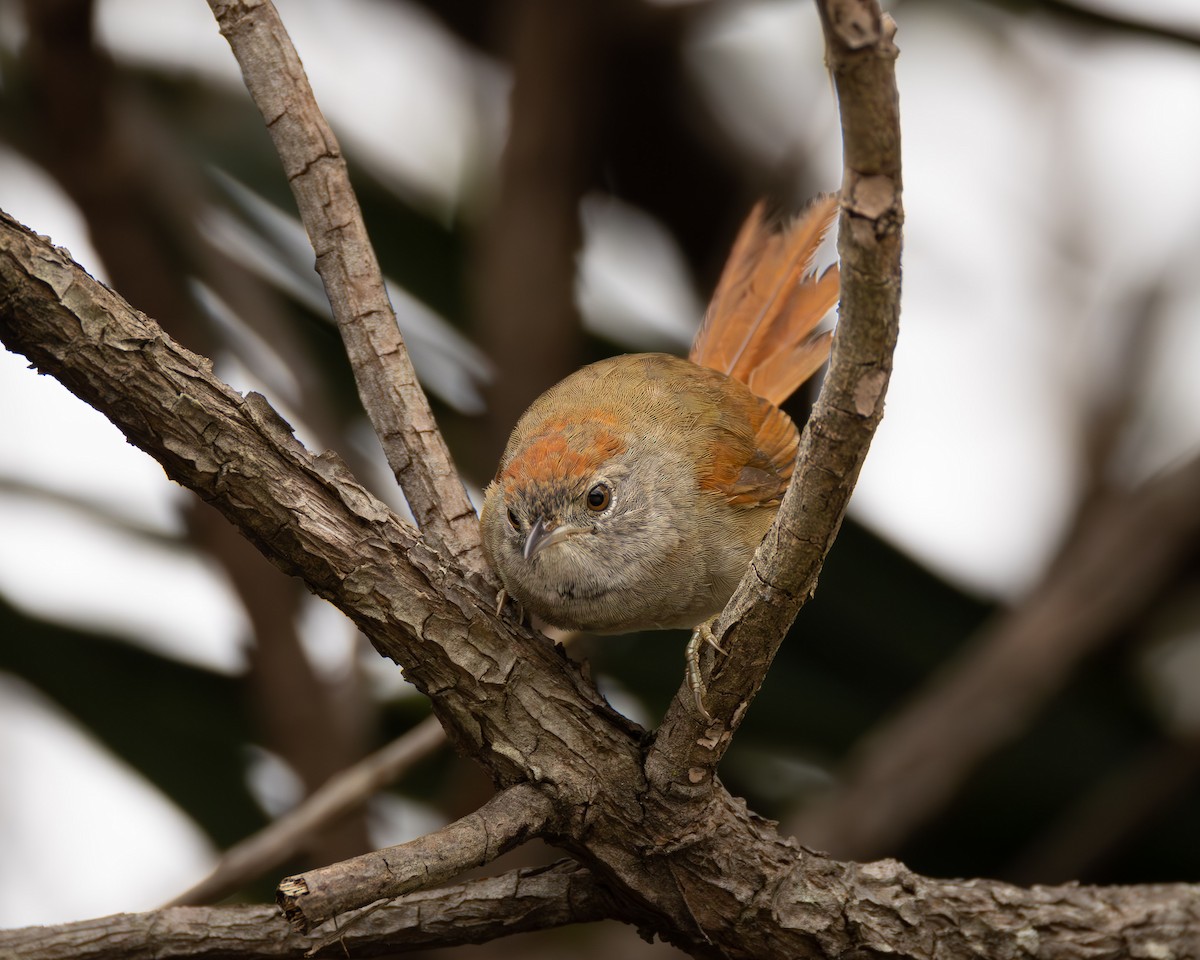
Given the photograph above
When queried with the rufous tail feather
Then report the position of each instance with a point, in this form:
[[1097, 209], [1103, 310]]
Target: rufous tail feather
[[769, 300]]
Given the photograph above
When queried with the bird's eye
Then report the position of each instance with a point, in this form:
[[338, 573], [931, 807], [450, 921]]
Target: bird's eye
[[513, 521], [599, 497]]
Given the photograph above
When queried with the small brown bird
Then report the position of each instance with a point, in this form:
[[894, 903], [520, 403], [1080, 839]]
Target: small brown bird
[[633, 494]]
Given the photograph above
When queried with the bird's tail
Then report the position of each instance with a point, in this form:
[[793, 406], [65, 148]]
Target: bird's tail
[[760, 324]]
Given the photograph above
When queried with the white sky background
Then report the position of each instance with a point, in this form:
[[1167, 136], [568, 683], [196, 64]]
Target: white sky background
[[1021, 147]]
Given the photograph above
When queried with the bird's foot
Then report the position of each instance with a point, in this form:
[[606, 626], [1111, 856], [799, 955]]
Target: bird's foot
[[702, 634], [502, 597]]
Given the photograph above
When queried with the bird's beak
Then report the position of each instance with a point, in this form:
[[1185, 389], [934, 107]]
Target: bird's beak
[[545, 533]]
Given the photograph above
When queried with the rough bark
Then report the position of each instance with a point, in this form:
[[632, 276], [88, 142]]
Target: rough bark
[[673, 852], [783, 575], [709, 876], [501, 824], [474, 912]]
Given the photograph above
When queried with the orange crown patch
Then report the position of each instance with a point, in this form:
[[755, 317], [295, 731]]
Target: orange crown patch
[[562, 452]]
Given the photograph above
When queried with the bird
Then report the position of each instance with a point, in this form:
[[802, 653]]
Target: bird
[[633, 494]]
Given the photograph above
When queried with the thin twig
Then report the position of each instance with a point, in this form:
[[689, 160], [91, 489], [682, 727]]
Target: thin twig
[[510, 818], [783, 575], [340, 795], [353, 282]]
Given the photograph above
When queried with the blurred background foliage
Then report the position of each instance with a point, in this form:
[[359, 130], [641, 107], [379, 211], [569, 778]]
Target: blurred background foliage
[[548, 183]]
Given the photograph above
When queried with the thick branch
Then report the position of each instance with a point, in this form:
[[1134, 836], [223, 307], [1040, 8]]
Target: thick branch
[[498, 686], [343, 793], [720, 882], [783, 575], [474, 912], [495, 681], [350, 271], [507, 820], [708, 876]]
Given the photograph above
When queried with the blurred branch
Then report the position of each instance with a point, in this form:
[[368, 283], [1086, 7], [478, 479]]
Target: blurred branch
[[315, 724], [135, 196], [94, 510], [861, 55], [144, 198], [474, 912], [524, 296], [343, 793], [1112, 815], [507, 820], [141, 196], [902, 774], [709, 876], [348, 267], [1080, 14]]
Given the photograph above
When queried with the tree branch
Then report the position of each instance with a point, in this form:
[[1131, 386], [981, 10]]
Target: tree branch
[[507, 820], [305, 513], [343, 793], [861, 55], [475, 912], [718, 880], [497, 687], [708, 876], [353, 282]]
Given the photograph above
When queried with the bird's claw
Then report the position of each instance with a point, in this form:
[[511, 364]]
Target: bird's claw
[[702, 634], [502, 597]]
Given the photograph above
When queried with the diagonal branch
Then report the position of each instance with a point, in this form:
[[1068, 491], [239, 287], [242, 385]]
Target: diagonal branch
[[861, 55], [725, 884], [343, 793], [507, 820], [1114, 19], [903, 774], [306, 514], [715, 881], [353, 282]]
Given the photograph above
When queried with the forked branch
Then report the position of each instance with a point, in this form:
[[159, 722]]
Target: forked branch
[[508, 819], [706, 875], [724, 882]]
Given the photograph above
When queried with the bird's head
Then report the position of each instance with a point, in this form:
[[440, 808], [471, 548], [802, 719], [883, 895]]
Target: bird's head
[[576, 518]]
